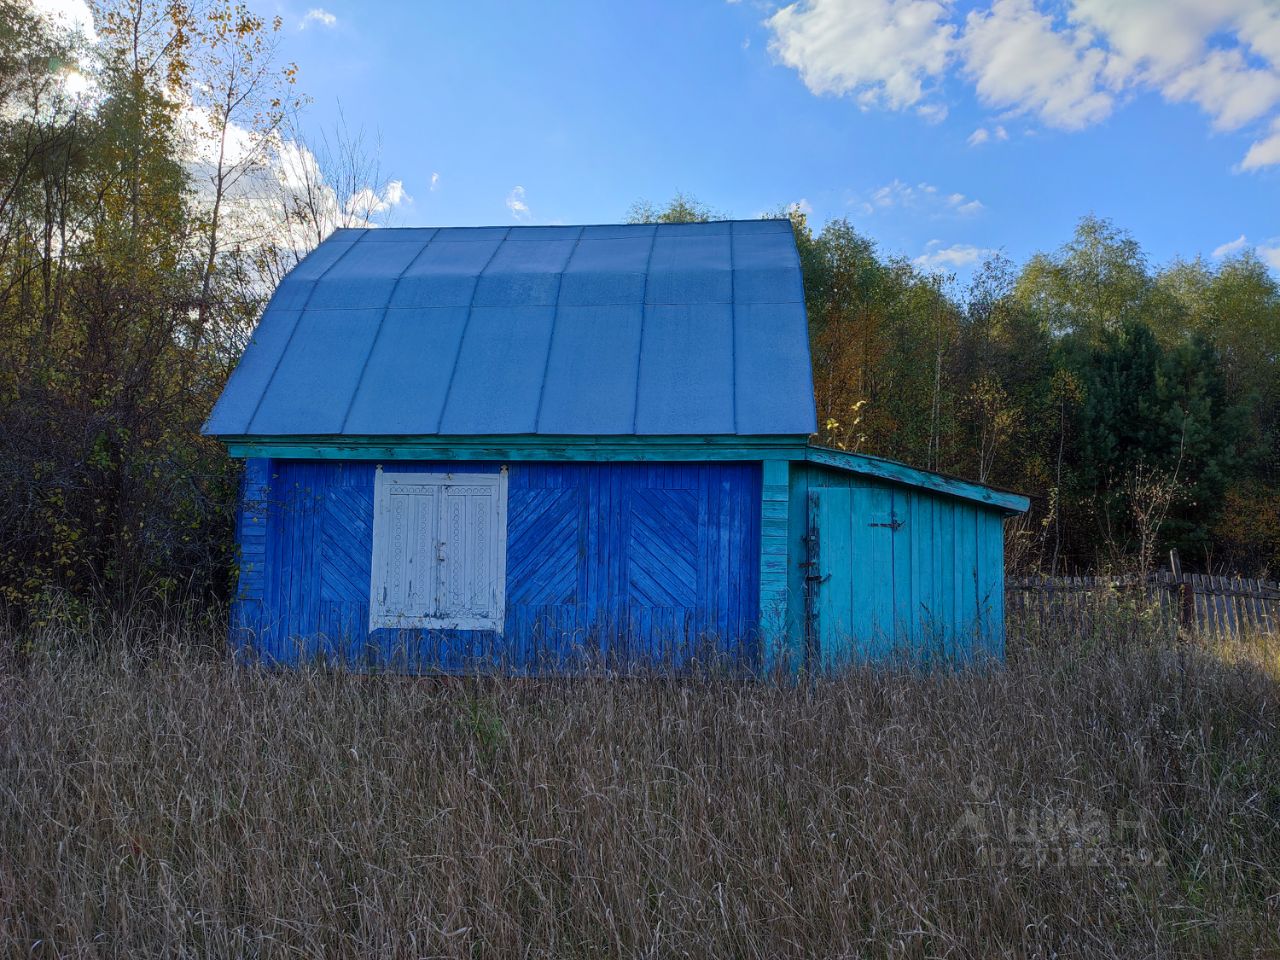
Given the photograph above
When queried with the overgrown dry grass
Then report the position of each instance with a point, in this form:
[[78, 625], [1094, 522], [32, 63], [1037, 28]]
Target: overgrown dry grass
[[1115, 802]]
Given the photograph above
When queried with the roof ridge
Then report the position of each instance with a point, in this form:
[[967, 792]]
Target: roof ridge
[[560, 226]]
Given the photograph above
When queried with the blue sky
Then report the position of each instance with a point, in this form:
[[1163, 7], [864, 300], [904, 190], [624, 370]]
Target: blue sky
[[941, 129]]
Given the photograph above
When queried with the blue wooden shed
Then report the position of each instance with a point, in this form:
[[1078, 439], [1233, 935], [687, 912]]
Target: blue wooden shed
[[531, 448]]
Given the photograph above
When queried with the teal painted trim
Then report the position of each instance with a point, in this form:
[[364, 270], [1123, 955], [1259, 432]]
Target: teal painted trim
[[798, 551], [775, 615], [614, 448], [901, 473], [522, 447]]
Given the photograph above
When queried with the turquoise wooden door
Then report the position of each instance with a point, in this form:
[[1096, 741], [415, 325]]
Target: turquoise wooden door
[[851, 574]]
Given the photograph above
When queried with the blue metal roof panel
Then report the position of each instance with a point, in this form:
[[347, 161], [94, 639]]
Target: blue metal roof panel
[[498, 377], [400, 234], [746, 227], [766, 269], [618, 231], [598, 330], [313, 383], [771, 356], [524, 273], [690, 269], [605, 271], [714, 228], [593, 354], [295, 290], [291, 294], [466, 234], [544, 233], [411, 363], [445, 274], [367, 275], [235, 408], [686, 370]]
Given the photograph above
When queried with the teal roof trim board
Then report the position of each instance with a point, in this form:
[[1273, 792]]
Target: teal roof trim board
[[901, 473], [632, 329], [610, 448]]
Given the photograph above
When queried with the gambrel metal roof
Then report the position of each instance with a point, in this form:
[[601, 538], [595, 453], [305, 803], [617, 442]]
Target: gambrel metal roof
[[636, 329]]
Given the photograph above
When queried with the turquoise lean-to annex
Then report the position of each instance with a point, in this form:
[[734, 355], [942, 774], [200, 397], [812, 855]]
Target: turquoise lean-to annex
[[644, 394]]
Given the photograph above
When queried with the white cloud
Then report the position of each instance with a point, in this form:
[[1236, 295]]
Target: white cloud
[[1271, 255], [264, 174], [933, 112], [963, 205], [894, 194], [982, 135], [1018, 61], [1264, 152], [73, 15], [516, 203], [435, 182], [1068, 63], [1175, 47], [1231, 246], [367, 202], [880, 51], [1226, 89], [801, 206], [318, 15], [920, 197], [956, 255]]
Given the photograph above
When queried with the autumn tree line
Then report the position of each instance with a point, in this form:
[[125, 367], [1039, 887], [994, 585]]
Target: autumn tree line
[[155, 185], [1138, 406]]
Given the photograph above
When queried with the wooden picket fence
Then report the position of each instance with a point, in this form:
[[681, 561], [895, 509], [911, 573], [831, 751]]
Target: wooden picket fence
[[1221, 606]]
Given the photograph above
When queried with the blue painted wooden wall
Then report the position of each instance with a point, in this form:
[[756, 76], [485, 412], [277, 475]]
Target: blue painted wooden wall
[[635, 562], [904, 570]]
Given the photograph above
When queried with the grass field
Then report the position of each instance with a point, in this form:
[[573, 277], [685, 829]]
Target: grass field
[[1105, 802]]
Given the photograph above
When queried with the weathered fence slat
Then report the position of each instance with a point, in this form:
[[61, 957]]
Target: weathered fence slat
[[1219, 605]]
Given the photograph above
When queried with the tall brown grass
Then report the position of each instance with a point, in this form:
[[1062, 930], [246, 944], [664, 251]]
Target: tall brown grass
[[1120, 801]]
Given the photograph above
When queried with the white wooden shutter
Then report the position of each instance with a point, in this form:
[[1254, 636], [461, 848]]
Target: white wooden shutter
[[439, 551], [405, 584], [471, 579]]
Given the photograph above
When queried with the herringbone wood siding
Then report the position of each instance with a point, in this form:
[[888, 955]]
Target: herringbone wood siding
[[626, 561]]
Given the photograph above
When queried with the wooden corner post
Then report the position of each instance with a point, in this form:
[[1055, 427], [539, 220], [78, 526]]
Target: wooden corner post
[[774, 613]]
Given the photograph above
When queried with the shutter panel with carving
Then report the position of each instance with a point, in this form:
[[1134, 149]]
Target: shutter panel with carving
[[439, 551]]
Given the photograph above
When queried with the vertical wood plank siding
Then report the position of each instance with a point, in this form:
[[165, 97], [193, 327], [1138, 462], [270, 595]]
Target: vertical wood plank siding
[[251, 537], [900, 570], [621, 562], [775, 568]]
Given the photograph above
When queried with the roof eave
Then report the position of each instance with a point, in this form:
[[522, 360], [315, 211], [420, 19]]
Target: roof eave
[[521, 447], [992, 497]]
